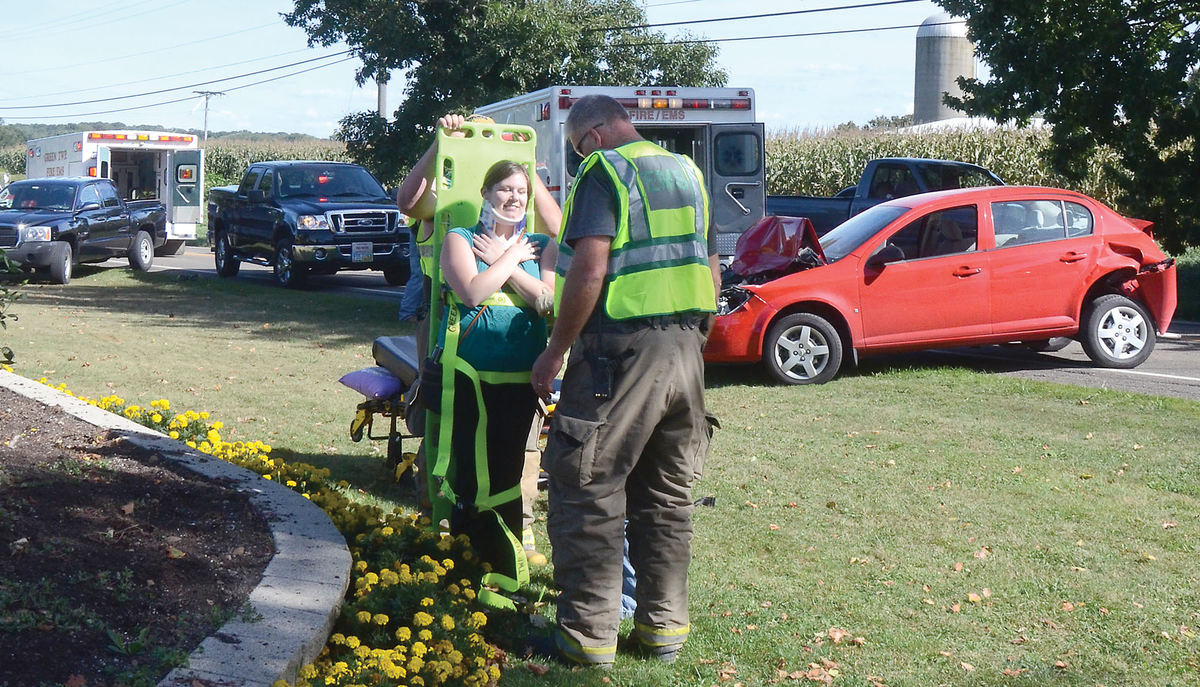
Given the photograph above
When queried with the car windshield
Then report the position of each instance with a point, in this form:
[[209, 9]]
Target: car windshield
[[38, 196], [855, 231], [940, 177], [328, 181]]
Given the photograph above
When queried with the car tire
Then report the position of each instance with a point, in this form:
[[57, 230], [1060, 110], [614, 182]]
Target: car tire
[[226, 262], [396, 275], [1055, 343], [287, 273], [171, 248], [1117, 332], [141, 252], [803, 348], [62, 259]]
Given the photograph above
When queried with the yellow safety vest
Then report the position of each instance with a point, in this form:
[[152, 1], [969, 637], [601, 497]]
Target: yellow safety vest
[[658, 261]]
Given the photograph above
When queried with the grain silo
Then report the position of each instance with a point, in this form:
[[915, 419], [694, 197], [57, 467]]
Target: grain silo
[[943, 54]]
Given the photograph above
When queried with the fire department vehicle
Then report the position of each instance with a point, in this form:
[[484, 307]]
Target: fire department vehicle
[[714, 126], [143, 165]]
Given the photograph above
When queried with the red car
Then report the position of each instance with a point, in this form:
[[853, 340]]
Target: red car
[[954, 268]]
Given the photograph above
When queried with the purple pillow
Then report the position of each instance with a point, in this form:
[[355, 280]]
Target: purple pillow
[[373, 382]]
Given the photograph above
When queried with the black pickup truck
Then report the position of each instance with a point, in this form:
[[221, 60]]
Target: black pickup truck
[[50, 225], [305, 217], [882, 179]]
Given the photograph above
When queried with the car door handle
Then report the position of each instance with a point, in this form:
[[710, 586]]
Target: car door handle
[[1072, 256], [965, 271]]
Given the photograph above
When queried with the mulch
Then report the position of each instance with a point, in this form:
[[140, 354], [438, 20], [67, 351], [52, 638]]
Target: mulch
[[114, 563]]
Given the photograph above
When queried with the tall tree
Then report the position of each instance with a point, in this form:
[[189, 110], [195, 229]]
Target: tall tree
[[1115, 73], [460, 54]]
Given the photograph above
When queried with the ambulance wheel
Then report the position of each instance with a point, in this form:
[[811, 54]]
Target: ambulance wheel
[[287, 273], [227, 263], [141, 253], [61, 261]]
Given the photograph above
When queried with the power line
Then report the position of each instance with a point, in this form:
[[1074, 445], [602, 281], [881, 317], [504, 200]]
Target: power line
[[177, 88], [192, 97], [160, 78], [86, 15], [173, 47], [115, 19], [787, 35], [754, 16]]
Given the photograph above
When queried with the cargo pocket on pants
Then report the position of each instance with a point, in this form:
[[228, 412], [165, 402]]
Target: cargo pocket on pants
[[704, 447], [571, 449]]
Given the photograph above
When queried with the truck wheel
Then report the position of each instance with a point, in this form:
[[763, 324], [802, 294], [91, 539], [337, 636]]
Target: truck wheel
[[227, 263], [396, 275], [61, 259], [1117, 332], [171, 248], [287, 273], [803, 349], [141, 253]]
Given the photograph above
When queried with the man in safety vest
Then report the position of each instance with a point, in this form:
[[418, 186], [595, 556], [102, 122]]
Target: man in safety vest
[[638, 276]]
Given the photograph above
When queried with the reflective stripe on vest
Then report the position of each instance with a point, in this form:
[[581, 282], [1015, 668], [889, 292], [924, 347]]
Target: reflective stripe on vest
[[658, 261]]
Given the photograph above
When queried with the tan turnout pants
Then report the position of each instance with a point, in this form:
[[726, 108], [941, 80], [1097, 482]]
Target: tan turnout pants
[[634, 455]]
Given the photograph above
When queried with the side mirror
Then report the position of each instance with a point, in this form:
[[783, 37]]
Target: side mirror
[[256, 195], [888, 253], [88, 207]]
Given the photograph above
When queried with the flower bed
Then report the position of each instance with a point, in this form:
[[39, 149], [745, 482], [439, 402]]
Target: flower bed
[[411, 618]]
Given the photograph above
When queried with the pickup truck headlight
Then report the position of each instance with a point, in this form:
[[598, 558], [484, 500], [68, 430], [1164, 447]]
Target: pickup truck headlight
[[312, 222], [36, 234]]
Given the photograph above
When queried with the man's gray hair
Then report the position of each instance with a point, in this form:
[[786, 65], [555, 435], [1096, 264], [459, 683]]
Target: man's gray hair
[[592, 111]]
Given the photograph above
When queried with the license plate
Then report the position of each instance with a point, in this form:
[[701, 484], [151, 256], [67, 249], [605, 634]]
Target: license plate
[[362, 251]]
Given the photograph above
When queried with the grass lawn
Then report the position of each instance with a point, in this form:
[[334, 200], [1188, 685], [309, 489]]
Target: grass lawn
[[928, 526]]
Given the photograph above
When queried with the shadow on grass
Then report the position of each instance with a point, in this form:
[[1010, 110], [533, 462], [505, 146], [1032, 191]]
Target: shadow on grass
[[186, 300]]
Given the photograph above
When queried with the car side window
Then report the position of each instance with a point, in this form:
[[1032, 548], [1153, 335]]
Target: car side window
[[89, 194], [1021, 222], [108, 195], [945, 232], [892, 181], [1079, 220], [265, 183], [249, 181]]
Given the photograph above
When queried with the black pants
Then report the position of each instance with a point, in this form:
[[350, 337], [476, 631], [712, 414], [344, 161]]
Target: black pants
[[508, 410]]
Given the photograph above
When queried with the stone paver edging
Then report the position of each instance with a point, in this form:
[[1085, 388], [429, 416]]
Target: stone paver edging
[[302, 588]]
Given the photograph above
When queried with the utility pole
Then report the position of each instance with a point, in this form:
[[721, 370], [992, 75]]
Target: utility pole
[[381, 99], [207, 95]]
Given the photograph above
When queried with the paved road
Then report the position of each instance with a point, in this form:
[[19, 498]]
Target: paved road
[[1172, 370]]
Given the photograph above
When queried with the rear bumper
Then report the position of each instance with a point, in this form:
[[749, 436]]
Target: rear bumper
[[1157, 288], [31, 253]]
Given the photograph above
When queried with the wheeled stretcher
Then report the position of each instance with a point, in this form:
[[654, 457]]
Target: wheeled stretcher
[[393, 400]]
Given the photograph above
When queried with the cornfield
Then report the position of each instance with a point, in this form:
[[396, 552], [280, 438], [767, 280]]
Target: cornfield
[[801, 163]]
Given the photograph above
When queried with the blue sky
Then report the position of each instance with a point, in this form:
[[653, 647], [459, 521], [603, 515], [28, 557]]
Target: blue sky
[[63, 51]]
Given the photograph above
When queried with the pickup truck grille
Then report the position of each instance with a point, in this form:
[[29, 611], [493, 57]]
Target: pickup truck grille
[[363, 221], [8, 237]]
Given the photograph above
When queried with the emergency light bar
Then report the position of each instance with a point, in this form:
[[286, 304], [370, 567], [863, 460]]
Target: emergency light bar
[[140, 137], [652, 103]]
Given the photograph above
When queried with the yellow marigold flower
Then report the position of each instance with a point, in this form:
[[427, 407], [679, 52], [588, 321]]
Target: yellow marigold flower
[[372, 578], [447, 623], [379, 619], [469, 594], [203, 415], [478, 619], [417, 680], [403, 634], [448, 564], [421, 619], [427, 602], [216, 425], [213, 436], [337, 638], [156, 417], [363, 616], [173, 434], [419, 649], [362, 651], [291, 483], [387, 531], [266, 477], [352, 641], [453, 589], [308, 672], [425, 635]]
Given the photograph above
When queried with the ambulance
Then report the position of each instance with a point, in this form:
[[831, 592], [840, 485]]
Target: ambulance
[[716, 127], [143, 165]]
